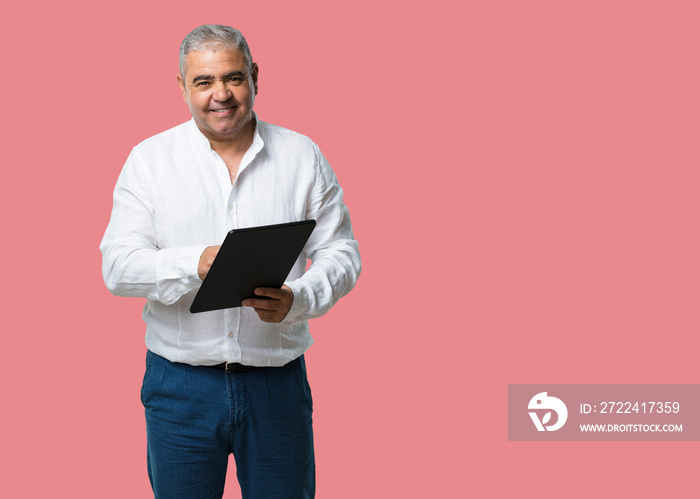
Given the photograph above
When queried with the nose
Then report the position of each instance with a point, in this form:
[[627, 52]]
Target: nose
[[221, 91]]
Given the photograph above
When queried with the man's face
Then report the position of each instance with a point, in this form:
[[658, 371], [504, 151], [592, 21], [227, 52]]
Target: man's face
[[220, 91]]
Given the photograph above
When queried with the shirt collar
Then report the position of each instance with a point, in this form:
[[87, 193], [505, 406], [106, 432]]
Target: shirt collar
[[254, 148]]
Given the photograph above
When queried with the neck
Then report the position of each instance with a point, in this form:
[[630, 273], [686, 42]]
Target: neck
[[236, 144]]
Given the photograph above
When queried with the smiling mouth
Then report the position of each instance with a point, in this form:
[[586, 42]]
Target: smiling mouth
[[222, 111]]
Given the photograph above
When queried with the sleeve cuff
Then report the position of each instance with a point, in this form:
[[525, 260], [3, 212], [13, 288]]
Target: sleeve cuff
[[177, 272], [299, 305]]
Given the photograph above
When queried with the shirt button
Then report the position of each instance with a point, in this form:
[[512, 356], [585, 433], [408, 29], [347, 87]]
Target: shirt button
[[230, 335]]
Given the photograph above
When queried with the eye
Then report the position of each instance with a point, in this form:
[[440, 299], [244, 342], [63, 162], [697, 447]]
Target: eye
[[235, 79], [202, 83]]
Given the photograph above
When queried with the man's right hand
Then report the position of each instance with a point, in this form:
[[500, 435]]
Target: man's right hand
[[206, 260]]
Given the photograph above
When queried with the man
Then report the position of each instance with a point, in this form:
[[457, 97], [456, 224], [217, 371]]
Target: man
[[234, 380]]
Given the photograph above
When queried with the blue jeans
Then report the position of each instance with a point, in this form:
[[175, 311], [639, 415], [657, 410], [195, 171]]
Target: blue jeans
[[197, 416]]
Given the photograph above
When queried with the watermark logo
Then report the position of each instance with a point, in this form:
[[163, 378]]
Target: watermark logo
[[542, 401]]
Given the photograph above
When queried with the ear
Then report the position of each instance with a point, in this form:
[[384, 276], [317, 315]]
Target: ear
[[254, 76], [183, 89]]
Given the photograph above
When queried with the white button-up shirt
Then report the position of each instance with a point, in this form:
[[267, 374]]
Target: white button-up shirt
[[174, 198]]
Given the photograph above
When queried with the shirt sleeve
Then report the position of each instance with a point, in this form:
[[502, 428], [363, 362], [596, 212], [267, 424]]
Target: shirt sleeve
[[132, 262], [332, 248]]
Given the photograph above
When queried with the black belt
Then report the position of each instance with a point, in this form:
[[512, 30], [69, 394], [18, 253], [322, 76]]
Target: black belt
[[233, 367]]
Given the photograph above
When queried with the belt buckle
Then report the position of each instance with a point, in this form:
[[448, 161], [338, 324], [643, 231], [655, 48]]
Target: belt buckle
[[227, 371]]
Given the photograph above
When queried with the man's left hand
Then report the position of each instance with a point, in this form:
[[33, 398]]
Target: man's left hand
[[275, 307]]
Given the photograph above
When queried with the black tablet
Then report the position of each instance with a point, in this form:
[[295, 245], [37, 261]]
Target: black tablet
[[251, 258]]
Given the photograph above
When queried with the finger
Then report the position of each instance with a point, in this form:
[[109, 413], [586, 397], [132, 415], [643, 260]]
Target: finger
[[270, 292], [260, 304]]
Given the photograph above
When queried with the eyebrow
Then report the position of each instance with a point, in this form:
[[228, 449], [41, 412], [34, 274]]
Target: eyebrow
[[223, 77]]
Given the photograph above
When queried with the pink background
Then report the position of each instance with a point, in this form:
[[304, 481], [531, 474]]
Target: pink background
[[522, 178]]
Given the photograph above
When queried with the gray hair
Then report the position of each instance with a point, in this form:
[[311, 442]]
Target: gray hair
[[214, 37]]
